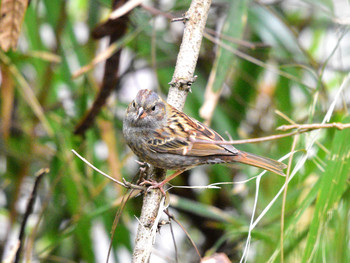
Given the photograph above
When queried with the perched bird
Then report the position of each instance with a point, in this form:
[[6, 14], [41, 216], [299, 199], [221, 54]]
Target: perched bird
[[167, 138]]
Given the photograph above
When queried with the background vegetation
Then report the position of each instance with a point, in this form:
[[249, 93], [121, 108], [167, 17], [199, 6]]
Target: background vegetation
[[290, 68]]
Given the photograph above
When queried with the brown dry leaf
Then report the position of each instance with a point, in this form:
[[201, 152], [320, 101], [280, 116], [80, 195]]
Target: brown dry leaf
[[11, 17]]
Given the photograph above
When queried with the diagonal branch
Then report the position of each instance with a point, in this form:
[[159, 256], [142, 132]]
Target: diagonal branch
[[29, 210]]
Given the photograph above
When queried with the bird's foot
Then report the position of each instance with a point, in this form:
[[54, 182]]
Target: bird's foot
[[154, 185]]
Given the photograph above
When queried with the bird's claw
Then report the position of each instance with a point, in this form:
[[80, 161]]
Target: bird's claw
[[154, 185]]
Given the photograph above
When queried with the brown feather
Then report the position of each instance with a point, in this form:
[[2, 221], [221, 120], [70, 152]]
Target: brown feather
[[191, 139], [260, 162], [169, 139]]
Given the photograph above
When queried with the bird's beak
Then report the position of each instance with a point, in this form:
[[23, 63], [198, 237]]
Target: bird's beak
[[141, 113]]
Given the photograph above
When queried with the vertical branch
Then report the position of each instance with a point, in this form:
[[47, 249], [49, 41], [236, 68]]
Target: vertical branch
[[195, 20]]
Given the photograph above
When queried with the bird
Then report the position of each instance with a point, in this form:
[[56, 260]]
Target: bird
[[167, 138]]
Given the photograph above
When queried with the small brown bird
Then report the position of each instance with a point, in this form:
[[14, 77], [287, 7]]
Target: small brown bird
[[167, 138]]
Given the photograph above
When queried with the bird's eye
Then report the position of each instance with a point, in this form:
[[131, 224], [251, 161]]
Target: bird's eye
[[133, 104], [154, 108]]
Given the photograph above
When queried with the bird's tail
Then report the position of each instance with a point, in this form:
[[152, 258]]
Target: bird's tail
[[260, 162]]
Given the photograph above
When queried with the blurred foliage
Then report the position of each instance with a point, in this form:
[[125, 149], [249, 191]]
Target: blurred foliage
[[294, 59]]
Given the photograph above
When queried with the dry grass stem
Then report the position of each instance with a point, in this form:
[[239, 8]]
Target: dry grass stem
[[313, 126], [124, 184], [185, 231], [284, 198], [127, 7]]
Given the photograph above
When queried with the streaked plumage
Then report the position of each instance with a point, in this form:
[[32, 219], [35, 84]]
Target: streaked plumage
[[167, 138]]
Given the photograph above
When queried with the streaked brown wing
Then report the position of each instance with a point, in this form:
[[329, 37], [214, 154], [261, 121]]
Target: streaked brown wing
[[186, 136]]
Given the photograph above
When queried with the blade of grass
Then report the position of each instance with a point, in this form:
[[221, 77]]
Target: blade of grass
[[27, 93], [333, 183]]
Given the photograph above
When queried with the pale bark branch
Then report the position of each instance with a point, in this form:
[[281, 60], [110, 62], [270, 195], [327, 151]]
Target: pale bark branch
[[195, 20]]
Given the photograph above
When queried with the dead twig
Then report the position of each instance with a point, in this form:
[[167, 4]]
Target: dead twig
[[29, 210], [301, 128], [184, 18], [125, 184], [125, 199], [313, 126], [253, 140], [172, 234], [185, 231]]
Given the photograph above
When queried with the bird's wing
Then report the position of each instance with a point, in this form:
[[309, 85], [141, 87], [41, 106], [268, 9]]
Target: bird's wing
[[186, 136]]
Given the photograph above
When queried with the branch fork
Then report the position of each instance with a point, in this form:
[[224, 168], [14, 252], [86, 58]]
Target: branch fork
[[183, 84], [184, 18]]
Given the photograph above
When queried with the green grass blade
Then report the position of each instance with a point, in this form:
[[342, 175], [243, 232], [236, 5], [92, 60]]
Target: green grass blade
[[333, 183]]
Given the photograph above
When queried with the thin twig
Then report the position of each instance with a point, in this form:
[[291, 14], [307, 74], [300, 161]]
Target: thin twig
[[107, 53], [29, 210], [172, 235], [253, 140], [284, 116], [116, 220], [214, 185], [238, 41], [252, 222], [303, 159], [313, 126], [301, 128], [212, 36], [255, 61], [194, 187], [172, 18], [184, 18], [124, 184], [185, 231]]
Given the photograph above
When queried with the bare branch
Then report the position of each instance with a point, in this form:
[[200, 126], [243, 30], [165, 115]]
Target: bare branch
[[183, 77], [313, 126], [253, 140], [124, 184], [301, 128]]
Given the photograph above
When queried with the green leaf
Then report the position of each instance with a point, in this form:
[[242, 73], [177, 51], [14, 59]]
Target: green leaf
[[333, 185]]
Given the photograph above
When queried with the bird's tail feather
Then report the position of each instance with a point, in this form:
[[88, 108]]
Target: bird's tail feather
[[260, 162]]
